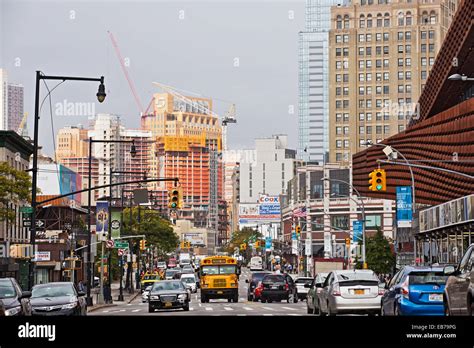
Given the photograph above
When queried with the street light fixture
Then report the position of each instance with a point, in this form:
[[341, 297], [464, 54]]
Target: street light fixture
[[459, 77], [40, 76]]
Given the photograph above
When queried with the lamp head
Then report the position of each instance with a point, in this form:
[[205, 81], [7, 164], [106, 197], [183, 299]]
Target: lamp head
[[101, 92]]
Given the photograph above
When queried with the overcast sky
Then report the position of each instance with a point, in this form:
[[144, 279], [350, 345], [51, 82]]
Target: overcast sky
[[193, 45]]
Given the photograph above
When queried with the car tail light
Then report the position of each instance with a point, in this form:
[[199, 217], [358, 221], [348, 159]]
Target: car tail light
[[260, 285], [287, 287], [381, 291], [405, 289], [336, 291]]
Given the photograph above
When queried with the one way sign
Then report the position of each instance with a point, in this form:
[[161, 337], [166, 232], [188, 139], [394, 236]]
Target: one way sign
[[40, 223]]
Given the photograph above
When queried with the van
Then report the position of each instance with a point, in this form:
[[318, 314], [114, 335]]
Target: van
[[256, 263]]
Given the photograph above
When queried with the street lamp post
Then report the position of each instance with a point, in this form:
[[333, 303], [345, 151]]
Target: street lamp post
[[100, 97], [363, 215]]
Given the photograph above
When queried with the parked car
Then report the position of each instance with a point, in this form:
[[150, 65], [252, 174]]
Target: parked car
[[278, 287], [255, 278], [61, 298], [458, 298], [351, 291], [15, 301], [415, 291], [168, 294], [312, 303], [300, 285], [146, 293], [189, 281]]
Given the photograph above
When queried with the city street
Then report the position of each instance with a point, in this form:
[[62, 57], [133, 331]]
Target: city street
[[214, 307]]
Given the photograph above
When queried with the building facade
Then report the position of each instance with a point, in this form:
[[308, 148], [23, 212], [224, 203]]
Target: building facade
[[15, 106], [380, 56], [313, 81]]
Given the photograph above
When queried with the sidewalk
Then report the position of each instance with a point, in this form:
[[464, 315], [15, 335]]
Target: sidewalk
[[127, 297]]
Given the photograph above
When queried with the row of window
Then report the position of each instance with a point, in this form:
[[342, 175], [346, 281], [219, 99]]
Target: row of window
[[379, 37], [402, 20], [379, 63], [368, 50], [367, 103], [379, 116]]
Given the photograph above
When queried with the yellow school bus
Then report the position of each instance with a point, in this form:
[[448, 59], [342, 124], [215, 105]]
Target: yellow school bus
[[219, 278]]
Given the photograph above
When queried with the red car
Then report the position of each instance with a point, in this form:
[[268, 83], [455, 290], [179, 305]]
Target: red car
[[172, 263]]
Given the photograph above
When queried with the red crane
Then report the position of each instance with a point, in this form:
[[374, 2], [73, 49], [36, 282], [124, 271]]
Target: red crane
[[125, 71]]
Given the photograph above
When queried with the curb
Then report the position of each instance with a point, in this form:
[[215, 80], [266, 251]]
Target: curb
[[134, 297], [94, 308]]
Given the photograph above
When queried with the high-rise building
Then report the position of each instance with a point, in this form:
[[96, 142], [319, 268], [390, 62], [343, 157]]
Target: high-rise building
[[188, 146], [313, 81], [3, 99], [273, 165], [72, 142], [15, 106], [380, 55]]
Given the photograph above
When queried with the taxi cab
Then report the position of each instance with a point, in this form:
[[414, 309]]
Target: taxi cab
[[149, 278]]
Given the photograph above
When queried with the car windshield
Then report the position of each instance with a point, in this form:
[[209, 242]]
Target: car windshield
[[188, 280], [6, 289], [273, 279], [303, 281], [52, 291], [151, 277], [258, 276], [356, 276], [418, 278], [148, 288], [208, 270], [170, 272], [168, 286]]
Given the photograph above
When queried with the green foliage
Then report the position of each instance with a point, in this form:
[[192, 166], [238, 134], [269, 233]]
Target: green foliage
[[158, 231], [379, 256], [242, 236], [15, 188]]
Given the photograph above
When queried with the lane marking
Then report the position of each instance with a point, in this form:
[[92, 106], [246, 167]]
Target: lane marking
[[268, 308], [295, 314], [228, 308], [200, 305], [289, 308], [248, 308], [106, 311], [136, 310], [129, 304], [267, 314], [209, 308], [241, 315]]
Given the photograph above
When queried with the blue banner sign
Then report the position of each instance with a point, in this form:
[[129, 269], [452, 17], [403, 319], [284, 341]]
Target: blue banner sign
[[404, 206], [357, 231]]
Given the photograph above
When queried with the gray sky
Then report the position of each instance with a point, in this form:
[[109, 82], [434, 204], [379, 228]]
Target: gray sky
[[195, 53]]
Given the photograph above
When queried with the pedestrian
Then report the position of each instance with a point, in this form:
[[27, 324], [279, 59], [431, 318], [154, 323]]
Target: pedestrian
[[80, 286]]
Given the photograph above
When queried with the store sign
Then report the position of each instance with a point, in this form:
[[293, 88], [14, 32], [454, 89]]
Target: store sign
[[404, 206], [102, 217], [42, 256]]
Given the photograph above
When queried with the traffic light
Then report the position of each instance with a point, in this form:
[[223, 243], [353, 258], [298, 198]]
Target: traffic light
[[298, 230], [243, 246], [378, 180], [175, 196], [348, 242], [142, 244]]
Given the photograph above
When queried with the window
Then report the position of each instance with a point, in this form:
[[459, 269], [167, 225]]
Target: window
[[378, 63], [386, 129], [338, 104], [385, 49], [400, 36], [361, 77], [338, 130], [361, 51], [400, 89], [346, 22], [423, 61], [361, 38], [423, 48], [401, 20], [338, 38], [361, 116], [368, 51], [345, 52], [386, 36], [408, 88], [338, 117], [338, 22], [407, 61], [386, 63], [346, 90], [431, 34], [338, 77], [386, 76], [378, 90], [368, 103], [338, 157], [368, 38], [423, 75], [378, 103], [340, 221], [378, 50], [378, 129], [431, 48], [433, 17], [379, 20], [378, 37], [345, 104], [361, 90], [401, 128], [432, 60], [408, 49], [368, 116], [346, 129], [346, 144], [386, 22], [378, 116], [338, 52], [362, 22], [400, 48], [361, 103], [423, 34], [368, 90], [408, 75], [386, 90], [369, 129], [361, 130], [338, 144], [408, 35], [368, 77], [400, 61], [338, 90], [409, 20], [338, 65], [369, 22], [345, 78], [345, 38], [361, 64]]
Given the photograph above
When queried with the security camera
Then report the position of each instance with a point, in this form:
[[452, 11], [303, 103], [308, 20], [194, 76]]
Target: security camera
[[388, 151]]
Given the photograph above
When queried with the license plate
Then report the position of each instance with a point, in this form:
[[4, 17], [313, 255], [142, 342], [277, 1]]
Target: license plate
[[436, 297], [359, 291], [220, 292], [274, 287], [168, 304]]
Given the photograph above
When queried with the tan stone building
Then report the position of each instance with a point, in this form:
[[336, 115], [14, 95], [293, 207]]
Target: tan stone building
[[71, 142], [381, 53]]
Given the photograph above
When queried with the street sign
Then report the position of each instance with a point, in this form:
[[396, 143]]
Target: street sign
[[357, 228], [26, 210], [67, 225], [109, 244], [121, 252], [40, 223], [120, 245], [308, 247], [404, 206], [26, 223]]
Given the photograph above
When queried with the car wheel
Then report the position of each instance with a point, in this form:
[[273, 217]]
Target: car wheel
[[236, 298], [319, 310], [150, 309], [249, 298], [203, 298], [309, 310], [255, 299], [396, 311], [186, 307], [270, 300], [229, 300], [264, 300], [295, 298]]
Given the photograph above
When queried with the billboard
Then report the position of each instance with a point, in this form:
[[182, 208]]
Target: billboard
[[357, 231], [115, 224], [56, 179], [194, 238], [450, 213], [102, 217], [267, 209], [404, 206]]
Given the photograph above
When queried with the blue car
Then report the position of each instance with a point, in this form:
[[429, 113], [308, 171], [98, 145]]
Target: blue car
[[415, 291]]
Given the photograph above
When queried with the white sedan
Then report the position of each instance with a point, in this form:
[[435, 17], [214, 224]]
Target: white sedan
[[189, 281], [145, 293]]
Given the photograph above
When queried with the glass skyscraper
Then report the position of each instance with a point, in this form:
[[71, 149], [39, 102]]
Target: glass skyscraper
[[313, 81]]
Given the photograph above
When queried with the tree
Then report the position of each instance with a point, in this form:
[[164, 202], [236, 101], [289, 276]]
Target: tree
[[242, 236], [379, 256], [15, 188]]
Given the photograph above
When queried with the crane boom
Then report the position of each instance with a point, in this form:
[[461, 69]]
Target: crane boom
[[125, 71], [22, 123]]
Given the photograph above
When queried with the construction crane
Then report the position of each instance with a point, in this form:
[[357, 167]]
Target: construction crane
[[228, 118], [22, 124], [125, 71]]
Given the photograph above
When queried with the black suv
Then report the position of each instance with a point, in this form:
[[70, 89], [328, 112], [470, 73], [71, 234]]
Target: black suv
[[279, 287], [253, 282], [15, 301], [458, 297]]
